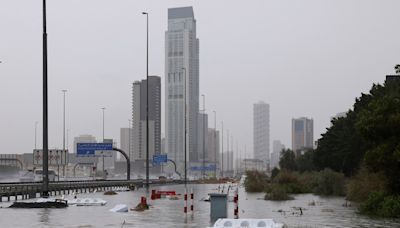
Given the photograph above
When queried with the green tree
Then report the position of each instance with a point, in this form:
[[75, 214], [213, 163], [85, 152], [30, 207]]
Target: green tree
[[305, 162], [288, 160]]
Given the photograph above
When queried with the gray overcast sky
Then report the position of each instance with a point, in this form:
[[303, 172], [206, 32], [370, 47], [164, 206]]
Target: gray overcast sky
[[305, 58]]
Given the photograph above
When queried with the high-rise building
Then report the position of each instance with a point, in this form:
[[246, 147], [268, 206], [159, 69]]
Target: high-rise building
[[277, 148], [212, 146], [182, 84], [126, 141], [139, 103], [302, 134], [261, 131]]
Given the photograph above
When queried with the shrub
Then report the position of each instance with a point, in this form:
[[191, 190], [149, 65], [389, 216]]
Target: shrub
[[373, 203], [255, 181], [380, 204], [329, 182], [364, 183], [390, 207], [277, 193]]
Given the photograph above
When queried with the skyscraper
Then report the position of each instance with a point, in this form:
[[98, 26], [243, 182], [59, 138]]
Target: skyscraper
[[126, 136], [261, 131], [277, 148], [139, 96], [302, 134], [182, 84]]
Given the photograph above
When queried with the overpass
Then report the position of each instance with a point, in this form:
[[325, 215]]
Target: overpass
[[27, 190]]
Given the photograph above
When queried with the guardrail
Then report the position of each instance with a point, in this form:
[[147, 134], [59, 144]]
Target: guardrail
[[28, 190]]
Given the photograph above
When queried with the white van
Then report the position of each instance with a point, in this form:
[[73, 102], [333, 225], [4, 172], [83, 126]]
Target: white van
[[38, 175]]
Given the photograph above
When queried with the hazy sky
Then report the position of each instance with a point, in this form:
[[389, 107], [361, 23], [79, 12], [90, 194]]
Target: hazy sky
[[304, 58]]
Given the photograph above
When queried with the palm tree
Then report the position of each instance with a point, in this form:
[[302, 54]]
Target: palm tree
[[397, 68]]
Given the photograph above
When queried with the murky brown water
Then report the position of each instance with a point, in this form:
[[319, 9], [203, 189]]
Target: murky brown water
[[327, 212]]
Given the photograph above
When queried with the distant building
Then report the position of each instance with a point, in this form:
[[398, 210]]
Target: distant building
[[202, 138], [261, 131], [302, 134], [126, 136], [139, 103], [251, 164], [181, 81], [212, 145], [228, 163], [277, 148]]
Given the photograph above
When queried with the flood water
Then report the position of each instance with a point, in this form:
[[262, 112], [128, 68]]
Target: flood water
[[317, 212]]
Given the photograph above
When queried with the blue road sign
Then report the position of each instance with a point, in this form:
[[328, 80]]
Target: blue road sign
[[211, 167], [89, 149], [160, 158]]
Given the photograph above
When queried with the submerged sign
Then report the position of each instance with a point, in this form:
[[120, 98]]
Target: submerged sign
[[211, 167], [94, 149]]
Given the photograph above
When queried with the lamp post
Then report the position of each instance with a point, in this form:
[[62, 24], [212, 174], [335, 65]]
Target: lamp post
[[45, 190], [147, 99], [129, 138], [185, 146], [227, 153], [215, 143], [65, 154], [222, 149], [103, 138], [204, 136], [36, 123]]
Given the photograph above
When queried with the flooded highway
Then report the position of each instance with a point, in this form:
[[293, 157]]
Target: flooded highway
[[316, 212]]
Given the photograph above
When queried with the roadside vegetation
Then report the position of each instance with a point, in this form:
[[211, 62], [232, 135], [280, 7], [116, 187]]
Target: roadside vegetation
[[358, 157]]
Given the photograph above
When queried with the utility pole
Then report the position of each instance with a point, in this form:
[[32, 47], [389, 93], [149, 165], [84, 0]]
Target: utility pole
[[215, 143], [65, 154], [227, 145], [222, 149], [103, 137], [204, 136], [45, 190], [185, 126], [129, 138], [36, 123], [147, 101]]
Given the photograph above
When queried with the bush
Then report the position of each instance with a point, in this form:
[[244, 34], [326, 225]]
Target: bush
[[329, 182], [255, 181], [364, 183], [291, 182], [277, 193], [379, 204]]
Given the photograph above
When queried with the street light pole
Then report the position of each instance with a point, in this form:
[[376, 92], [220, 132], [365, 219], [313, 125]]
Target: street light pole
[[45, 190], [65, 155], [215, 143], [36, 123], [204, 135], [185, 146], [147, 100], [129, 138], [222, 149], [227, 146], [103, 138]]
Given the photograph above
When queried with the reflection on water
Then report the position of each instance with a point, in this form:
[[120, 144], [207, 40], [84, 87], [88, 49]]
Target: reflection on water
[[44, 216], [316, 212]]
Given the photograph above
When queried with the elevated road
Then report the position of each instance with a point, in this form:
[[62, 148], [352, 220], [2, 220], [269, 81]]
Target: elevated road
[[26, 190]]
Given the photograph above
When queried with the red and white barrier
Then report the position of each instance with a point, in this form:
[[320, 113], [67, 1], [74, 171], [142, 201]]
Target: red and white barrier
[[192, 200], [236, 202], [185, 198]]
